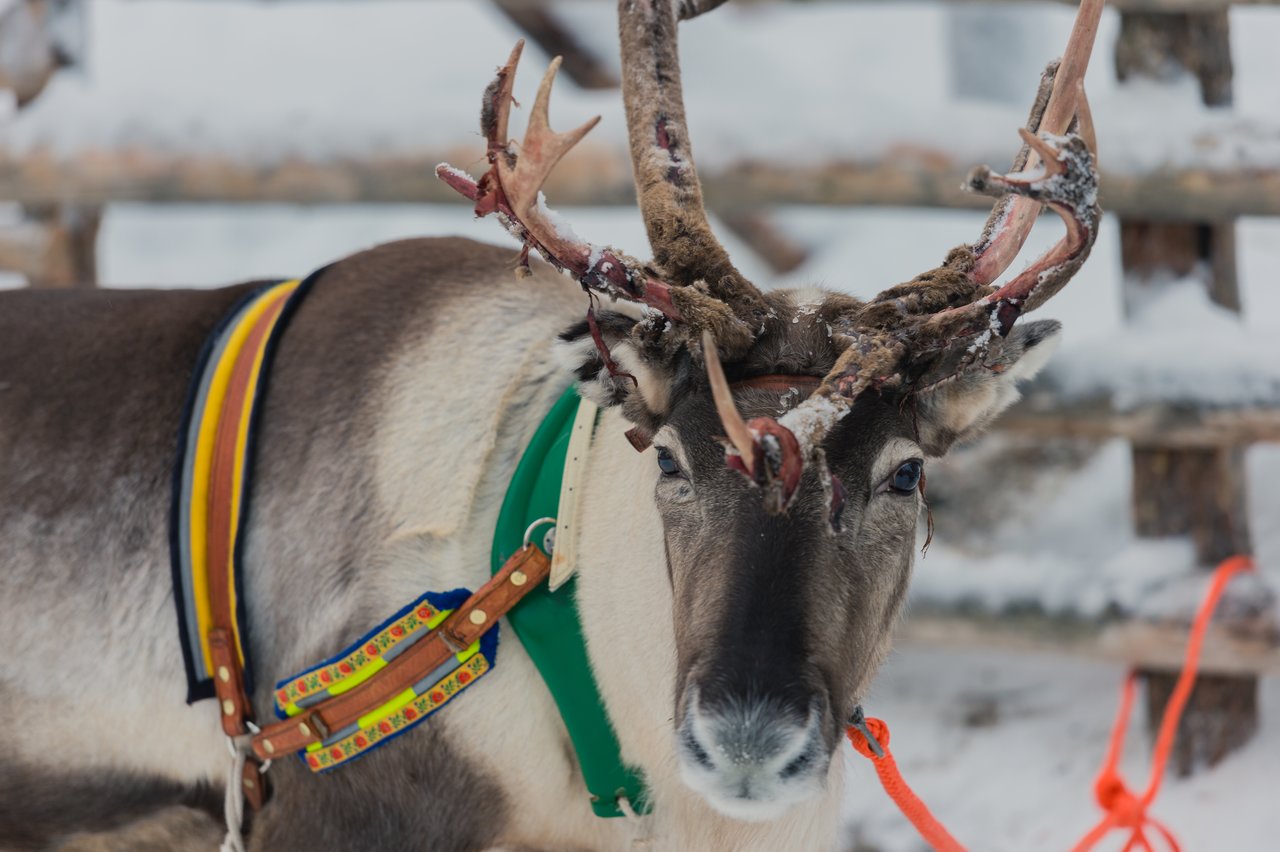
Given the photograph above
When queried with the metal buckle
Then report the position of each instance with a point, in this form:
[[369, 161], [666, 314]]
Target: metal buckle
[[858, 721], [548, 541]]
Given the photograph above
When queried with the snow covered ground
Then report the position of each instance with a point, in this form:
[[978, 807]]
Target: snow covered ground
[[268, 80], [1004, 749]]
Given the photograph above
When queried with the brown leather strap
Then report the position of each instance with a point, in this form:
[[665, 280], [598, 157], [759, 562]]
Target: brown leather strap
[[780, 383], [228, 670], [523, 572], [254, 784]]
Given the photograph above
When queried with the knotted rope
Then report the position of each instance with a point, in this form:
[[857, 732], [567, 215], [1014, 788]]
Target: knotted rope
[[1124, 810]]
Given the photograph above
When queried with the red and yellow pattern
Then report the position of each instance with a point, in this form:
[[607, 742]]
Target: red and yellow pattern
[[361, 662], [388, 722]]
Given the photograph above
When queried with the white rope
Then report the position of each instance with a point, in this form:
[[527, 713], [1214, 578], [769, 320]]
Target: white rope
[[233, 804], [640, 837]]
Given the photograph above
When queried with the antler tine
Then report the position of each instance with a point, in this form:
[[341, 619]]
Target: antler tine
[[765, 452], [1018, 215], [734, 426], [684, 248], [949, 304], [540, 151], [512, 186]]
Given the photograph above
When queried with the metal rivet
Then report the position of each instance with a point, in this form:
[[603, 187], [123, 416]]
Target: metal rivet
[[519, 578], [478, 616], [304, 730], [269, 747], [228, 707], [224, 674]]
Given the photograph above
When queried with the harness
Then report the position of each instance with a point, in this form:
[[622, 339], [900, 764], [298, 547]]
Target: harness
[[422, 656]]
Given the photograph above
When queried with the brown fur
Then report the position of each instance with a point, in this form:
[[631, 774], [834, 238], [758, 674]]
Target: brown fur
[[684, 250]]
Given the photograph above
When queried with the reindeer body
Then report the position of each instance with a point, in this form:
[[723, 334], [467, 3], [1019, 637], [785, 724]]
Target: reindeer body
[[381, 467]]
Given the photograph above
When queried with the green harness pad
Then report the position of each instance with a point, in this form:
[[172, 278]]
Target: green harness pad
[[547, 623]]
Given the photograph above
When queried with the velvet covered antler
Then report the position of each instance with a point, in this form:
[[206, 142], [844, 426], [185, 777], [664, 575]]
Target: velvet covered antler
[[911, 337], [691, 280]]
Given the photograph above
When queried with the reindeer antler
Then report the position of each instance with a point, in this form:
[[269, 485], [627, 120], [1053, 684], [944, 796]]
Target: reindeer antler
[[697, 288], [887, 337], [684, 247], [512, 189]]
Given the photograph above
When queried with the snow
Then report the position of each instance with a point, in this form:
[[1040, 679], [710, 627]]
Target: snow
[[1004, 748], [266, 81], [1179, 348], [559, 224]]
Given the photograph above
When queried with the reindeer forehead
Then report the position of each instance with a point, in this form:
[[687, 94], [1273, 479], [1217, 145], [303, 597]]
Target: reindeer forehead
[[800, 335]]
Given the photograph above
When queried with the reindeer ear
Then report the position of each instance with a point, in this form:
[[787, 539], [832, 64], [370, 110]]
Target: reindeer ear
[[578, 352], [961, 408]]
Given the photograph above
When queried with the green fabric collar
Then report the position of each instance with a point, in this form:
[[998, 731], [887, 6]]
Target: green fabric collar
[[548, 626]]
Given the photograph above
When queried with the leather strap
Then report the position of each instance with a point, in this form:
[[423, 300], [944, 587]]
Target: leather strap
[[780, 383], [522, 573], [235, 709]]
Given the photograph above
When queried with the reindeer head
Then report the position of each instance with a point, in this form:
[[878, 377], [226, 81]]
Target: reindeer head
[[787, 430]]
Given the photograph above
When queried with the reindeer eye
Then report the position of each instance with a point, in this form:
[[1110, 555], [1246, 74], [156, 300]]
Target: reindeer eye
[[667, 462], [907, 476]]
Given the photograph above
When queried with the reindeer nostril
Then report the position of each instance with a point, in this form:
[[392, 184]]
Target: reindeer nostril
[[695, 748]]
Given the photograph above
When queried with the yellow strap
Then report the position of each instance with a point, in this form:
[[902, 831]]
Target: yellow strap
[[203, 462]]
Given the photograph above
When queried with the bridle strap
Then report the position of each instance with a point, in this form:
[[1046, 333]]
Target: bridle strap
[[523, 572], [780, 383]]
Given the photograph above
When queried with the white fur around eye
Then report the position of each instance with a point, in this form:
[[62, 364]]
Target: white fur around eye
[[892, 455]]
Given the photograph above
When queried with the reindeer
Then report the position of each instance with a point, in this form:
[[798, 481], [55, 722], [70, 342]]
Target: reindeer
[[739, 577]]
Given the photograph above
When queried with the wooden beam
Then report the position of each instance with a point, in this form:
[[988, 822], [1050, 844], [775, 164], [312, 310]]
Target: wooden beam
[[1174, 426], [1225, 651], [549, 32], [594, 176], [758, 230], [55, 247], [1123, 5]]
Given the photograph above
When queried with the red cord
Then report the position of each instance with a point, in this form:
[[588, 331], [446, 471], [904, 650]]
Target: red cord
[[1123, 809]]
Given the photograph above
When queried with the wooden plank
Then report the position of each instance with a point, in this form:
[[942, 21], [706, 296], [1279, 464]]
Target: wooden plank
[[1173, 426], [55, 248], [550, 33], [594, 176], [1225, 651], [1123, 5]]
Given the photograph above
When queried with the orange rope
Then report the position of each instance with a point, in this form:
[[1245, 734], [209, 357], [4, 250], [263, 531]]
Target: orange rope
[[1123, 809], [891, 779]]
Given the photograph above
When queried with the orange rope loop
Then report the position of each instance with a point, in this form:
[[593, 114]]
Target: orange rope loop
[[870, 737], [1124, 810]]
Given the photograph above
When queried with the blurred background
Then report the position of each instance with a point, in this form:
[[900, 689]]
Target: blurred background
[[203, 142]]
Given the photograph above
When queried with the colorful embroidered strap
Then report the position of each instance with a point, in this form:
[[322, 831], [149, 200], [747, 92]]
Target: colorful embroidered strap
[[371, 654], [211, 481]]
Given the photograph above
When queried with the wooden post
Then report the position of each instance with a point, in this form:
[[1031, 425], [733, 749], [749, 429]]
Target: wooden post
[[1194, 491], [60, 247], [551, 34], [760, 231]]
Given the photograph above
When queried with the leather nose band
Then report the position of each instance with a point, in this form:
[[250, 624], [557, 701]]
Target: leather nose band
[[779, 383]]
